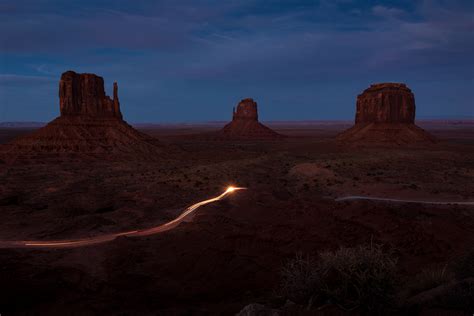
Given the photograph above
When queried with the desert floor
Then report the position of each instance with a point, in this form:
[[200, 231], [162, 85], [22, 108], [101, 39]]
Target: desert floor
[[231, 252]]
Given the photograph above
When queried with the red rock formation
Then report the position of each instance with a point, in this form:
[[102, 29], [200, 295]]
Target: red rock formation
[[245, 125], [246, 110], [83, 94], [386, 103], [385, 114], [90, 123]]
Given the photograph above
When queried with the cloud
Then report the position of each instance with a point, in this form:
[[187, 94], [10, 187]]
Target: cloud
[[58, 34], [303, 39], [317, 51], [14, 80], [264, 47], [387, 12]]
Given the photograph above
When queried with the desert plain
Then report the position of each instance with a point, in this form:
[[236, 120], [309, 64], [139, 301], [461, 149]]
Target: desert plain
[[228, 254]]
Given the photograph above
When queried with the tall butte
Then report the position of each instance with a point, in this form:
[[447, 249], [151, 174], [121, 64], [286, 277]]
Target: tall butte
[[84, 95], [90, 123], [385, 114], [245, 124]]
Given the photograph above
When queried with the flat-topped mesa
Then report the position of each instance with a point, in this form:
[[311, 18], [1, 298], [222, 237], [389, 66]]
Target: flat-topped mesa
[[386, 103], [83, 94], [246, 110], [385, 115]]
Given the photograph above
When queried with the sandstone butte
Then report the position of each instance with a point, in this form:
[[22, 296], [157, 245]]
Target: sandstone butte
[[84, 95], [245, 124], [385, 114], [90, 123]]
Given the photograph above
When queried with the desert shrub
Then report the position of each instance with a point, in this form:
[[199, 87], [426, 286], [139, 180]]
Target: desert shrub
[[298, 278], [362, 277]]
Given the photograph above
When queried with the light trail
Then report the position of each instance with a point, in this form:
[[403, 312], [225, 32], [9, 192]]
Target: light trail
[[380, 199], [70, 243]]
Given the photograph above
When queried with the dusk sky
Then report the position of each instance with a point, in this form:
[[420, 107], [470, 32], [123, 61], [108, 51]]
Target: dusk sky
[[188, 61]]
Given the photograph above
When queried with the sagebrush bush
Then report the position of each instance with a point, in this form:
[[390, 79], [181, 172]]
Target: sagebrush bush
[[362, 277], [299, 278]]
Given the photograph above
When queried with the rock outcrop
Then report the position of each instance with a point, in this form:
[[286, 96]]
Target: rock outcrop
[[385, 114], [245, 124], [386, 103], [83, 94], [246, 110], [90, 123]]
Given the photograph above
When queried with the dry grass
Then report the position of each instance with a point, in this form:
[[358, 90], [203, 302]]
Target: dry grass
[[362, 277], [299, 278]]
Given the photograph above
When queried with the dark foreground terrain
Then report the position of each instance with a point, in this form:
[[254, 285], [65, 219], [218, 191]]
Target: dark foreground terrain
[[232, 252]]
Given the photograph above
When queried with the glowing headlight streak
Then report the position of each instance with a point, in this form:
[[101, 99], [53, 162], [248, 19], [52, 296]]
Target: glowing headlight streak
[[70, 243]]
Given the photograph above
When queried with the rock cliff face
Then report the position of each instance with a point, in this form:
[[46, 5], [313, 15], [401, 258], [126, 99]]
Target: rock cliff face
[[90, 124], [386, 103], [245, 125], [83, 94], [246, 110], [385, 114]]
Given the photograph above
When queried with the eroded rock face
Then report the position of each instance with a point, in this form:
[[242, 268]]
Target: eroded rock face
[[83, 94], [386, 103], [245, 124], [246, 110], [90, 125], [385, 115]]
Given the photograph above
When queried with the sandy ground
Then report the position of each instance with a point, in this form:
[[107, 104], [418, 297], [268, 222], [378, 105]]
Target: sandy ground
[[231, 253]]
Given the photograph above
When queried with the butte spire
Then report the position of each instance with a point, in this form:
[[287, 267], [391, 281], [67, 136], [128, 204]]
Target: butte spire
[[90, 123], [245, 124]]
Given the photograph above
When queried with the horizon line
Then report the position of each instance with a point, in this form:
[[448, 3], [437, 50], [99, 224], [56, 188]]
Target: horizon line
[[426, 118]]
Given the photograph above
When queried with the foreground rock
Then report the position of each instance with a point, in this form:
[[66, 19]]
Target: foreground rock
[[90, 124], [245, 124], [459, 291], [385, 114]]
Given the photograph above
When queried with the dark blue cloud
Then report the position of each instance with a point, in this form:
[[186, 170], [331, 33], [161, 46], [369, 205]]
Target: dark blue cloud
[[193, 60]]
